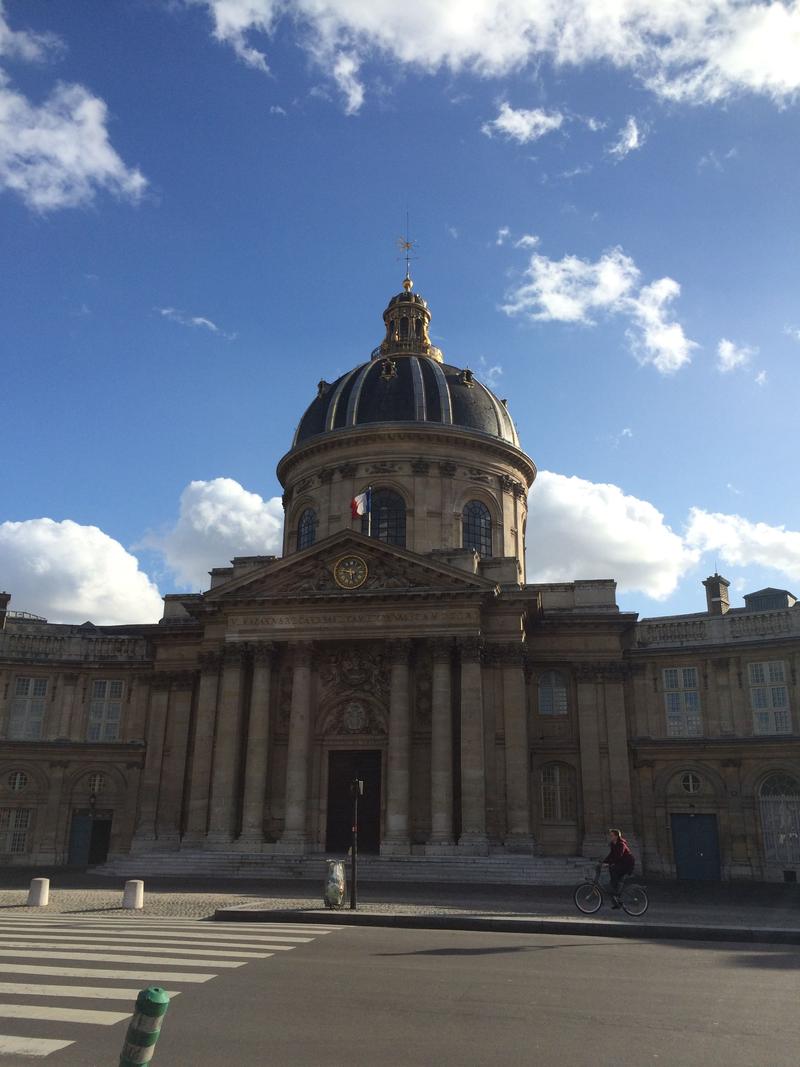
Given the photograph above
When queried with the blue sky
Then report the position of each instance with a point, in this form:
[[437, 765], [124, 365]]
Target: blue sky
[[199, 204]]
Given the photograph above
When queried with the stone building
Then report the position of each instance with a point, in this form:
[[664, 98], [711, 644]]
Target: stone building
[[488, 717]]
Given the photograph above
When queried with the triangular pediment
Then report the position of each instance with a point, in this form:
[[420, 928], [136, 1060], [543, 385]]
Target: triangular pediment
[[348, 564]]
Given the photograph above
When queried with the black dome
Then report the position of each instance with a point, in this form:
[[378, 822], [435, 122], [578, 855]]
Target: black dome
[[406, 389]]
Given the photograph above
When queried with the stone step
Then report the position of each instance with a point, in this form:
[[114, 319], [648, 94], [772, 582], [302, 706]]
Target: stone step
[[496, 870]]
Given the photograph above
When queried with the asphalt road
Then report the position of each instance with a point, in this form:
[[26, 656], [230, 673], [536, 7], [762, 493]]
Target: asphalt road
[[362, 997]]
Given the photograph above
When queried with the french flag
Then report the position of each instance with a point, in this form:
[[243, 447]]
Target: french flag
[[361, 504]]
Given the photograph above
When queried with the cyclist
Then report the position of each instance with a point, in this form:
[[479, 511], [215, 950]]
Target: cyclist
[[620, 863]]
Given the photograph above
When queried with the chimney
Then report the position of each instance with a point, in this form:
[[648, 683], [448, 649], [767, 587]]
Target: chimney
[[717, 594], [4, 599]]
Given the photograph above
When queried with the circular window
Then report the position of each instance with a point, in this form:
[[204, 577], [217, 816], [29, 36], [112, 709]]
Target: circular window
[[97, 783], [17, 781], [691, 782]]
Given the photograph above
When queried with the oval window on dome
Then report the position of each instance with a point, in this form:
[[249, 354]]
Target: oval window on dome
[[388, 519], [476, 527]]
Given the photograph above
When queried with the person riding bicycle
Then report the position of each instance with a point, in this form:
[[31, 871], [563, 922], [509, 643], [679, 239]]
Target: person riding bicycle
[[620, 863]]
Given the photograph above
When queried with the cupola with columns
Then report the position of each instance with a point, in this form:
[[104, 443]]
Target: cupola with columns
[[438, 449]]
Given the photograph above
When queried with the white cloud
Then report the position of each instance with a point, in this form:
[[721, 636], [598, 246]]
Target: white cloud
[[730, 356], [56, 154], [196, 321], [276, 109], [573, 290], [630, 138], [522, 126], [73, 573], [580, 529], [793, 332], [502, 235], [345, 69], [528, 240], [218, 520], [699, 51], [712, 160], [489, 374], [761, 378], [739, 542]]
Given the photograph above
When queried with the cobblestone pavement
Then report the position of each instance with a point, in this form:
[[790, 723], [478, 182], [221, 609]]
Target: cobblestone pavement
[[82, 893]]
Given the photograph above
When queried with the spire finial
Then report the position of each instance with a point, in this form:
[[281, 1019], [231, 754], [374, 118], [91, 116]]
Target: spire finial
[[406, 245]]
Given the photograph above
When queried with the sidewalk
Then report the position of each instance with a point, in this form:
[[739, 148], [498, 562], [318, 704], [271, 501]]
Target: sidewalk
[[743, 911]]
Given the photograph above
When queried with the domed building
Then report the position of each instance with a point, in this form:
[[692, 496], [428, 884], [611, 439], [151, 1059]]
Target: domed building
[[498, 726]]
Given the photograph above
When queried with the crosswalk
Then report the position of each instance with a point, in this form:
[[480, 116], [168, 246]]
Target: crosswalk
[[102, 963]]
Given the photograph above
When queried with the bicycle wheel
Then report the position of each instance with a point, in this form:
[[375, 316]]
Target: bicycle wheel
[[634, 900], [588, 898]]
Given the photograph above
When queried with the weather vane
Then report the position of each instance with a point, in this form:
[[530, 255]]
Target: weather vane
[[406, 246]]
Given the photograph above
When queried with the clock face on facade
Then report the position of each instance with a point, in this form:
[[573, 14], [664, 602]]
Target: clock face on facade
[[350, 572]]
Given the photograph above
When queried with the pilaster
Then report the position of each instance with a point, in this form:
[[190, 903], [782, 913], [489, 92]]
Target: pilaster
[[473, 840], [396, 837], [200, 772], [441, 838], [295, 836], [226, 748], [255, 775]]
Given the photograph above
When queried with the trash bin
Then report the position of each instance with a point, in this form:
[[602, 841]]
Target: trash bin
[[334, 885]]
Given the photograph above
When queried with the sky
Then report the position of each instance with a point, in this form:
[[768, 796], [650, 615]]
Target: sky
[[200, 202]]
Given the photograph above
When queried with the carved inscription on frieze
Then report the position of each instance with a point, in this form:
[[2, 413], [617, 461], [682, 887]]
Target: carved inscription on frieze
[[357, 620]]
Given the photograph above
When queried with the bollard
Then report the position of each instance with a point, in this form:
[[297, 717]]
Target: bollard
[[39, 893], [144, 1027], [133, 894]]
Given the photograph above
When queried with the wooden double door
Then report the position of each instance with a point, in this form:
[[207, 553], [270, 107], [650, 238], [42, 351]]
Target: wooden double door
[[344, 766]]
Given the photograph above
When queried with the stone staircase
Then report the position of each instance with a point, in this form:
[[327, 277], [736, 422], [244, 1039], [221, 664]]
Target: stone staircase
[[475, 870]]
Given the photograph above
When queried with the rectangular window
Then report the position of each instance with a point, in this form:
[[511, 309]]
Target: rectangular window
[[682, 702], [27, 709], [769, 698], [14, 826], [105, 710]]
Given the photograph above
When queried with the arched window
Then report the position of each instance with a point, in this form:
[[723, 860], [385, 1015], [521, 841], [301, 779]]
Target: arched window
[[779, 801], [476, 527], [388, 518], [552, 693], [306, 529], [559, 802]]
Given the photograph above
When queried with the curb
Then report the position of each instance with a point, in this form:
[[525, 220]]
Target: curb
[[506, 925]]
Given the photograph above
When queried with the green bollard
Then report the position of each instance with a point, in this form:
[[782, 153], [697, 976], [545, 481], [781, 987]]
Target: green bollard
[[144, 1027]]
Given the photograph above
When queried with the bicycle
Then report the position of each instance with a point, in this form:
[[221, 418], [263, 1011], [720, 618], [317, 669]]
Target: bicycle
[[588, 896]]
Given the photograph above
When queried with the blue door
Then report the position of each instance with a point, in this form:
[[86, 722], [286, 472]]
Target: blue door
[[80, 839], [695, 844]]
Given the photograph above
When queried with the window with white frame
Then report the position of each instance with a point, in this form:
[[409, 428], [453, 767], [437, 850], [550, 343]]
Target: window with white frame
[[769, 698], [557, 782], [552, 693], [105, 709], [14, 826], [27, 709], [682, 702]]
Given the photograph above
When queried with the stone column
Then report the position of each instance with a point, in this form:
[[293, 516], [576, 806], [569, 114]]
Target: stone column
[[473, 840], [226, 748], [594, 828], [200, 772], [396, 840], [255, 775], [441, 747], [62, 728], [294, 835], [515, 729], [47, 851], [151, 777], [170, 801]]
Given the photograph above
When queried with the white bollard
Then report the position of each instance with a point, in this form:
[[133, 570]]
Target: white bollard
[[133, 894], [39, 893]]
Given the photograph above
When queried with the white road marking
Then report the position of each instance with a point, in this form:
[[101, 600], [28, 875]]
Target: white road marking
[[126, 938], [62, 1015], [113, 957], [102, 972], [135, 946], [30, 1046], [87, 992], [141, 921]]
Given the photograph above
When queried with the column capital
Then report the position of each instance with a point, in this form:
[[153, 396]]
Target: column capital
[[161, 680], [400, 650], [471, 648], [210, 661], [441, 648], [183, 679], [302, 653], [506, 654], [263, 652], [233, 655]]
